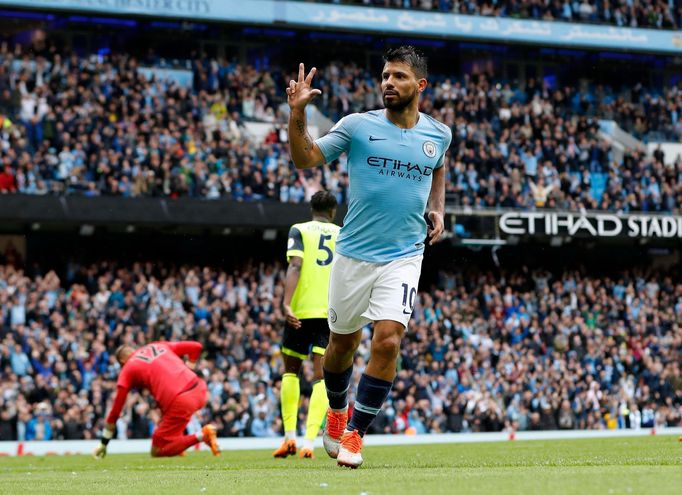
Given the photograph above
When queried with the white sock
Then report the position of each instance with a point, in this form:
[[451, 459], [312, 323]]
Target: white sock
[[307, 444], [290, 435]]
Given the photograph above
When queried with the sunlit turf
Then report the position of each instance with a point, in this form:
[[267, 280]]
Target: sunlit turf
[[595, 466]]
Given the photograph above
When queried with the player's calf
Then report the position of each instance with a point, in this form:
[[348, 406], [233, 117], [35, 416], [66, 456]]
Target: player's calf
[[173, 447], [371, 395]]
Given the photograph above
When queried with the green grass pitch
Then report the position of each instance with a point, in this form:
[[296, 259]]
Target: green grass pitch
[[595, 466]]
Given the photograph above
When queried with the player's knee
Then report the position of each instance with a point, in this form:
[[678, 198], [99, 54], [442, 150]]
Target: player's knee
[[386, 347], [292, 365], [342, 344], [292, 369]]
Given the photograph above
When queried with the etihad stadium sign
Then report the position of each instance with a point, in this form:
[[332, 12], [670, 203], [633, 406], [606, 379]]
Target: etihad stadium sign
[[534, 223]]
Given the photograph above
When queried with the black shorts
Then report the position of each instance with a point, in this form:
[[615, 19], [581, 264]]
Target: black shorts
[[313, 336]]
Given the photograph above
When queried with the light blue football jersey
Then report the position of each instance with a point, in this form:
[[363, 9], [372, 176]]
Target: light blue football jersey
[[390, 171]]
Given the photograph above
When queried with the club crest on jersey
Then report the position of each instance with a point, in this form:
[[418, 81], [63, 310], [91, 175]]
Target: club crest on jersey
[[429, 148]]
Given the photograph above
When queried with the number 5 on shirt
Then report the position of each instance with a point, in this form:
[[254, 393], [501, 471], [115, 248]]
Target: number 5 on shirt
[[329, 255]]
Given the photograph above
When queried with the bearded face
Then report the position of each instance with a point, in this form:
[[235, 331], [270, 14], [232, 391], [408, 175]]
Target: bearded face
[[393, 100], [399, 86]]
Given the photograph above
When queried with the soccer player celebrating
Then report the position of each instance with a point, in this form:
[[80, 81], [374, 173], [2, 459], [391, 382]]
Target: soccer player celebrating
[[395, 163], [179, 392], [310, 251]]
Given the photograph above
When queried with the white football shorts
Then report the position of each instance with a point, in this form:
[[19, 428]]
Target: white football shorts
[[361, 292]]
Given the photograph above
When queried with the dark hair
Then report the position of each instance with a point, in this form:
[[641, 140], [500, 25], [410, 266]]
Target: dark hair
[[323, 201], [409, 55]]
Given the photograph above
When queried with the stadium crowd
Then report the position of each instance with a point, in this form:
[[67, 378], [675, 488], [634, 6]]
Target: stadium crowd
[[98, 126], [484, 351], [652, 14]]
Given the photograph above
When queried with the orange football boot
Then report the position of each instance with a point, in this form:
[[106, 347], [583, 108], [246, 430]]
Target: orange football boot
[[287, 448], [336, 424], [307, 453], [211, 438], [350, 450]]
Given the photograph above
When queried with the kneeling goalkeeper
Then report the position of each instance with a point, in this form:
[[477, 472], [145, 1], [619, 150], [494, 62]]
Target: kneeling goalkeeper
[[178, 391]]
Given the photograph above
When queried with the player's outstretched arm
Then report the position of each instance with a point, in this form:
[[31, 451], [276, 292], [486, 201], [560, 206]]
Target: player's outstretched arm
[[437, 205], [304, 151], [110, 426]]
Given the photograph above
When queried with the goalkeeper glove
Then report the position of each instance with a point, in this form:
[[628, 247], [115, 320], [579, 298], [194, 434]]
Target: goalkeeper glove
[[101, 451]]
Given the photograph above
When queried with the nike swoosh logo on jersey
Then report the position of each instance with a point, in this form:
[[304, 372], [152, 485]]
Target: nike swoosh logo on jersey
[[372, 138]]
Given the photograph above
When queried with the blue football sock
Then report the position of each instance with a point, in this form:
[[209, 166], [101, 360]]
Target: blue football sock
[[337, 385], [372, 393]]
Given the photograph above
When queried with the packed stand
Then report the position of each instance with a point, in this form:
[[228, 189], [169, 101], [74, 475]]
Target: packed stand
[[652, 14], [97, 126], [483, 352], [535, 146], [536, 351], [540, 147]]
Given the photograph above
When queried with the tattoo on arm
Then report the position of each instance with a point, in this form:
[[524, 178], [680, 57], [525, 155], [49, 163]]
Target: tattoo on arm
[[303, 132]]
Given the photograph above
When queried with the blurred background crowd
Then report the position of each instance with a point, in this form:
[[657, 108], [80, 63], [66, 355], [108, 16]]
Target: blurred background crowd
[[485, 350]]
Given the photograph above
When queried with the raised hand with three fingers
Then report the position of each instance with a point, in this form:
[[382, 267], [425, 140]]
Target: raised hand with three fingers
[[300, 93]]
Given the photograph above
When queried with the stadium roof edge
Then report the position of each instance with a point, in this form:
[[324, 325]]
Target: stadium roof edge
[[389, 21]]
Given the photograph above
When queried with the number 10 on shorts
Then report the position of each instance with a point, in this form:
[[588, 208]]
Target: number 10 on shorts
[[408, 298]]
